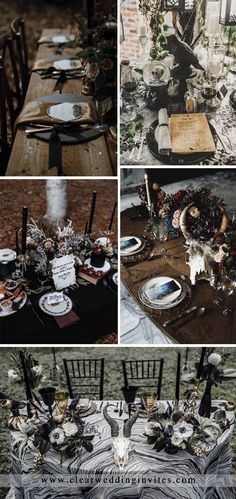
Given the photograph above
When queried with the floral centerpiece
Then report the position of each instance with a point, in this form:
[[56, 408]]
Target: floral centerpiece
[[66, 434], [174, 431]]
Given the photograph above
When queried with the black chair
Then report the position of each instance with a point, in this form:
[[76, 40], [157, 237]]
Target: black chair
[[146, 374], [18, 35], [86, 376]]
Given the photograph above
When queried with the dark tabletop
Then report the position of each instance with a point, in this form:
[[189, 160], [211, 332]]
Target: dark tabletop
[[96, 305]]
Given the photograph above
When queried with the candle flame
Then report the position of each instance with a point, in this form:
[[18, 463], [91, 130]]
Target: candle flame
[[145, 176]]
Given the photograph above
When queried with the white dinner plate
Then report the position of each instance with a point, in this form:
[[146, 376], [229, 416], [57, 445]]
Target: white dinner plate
[[61, 308], [62, 38], [66, 64], [105, 267], [4, 313], [133, 249], [115, 278], [7, 255], [155, 283], [169, 301], [67, 111]]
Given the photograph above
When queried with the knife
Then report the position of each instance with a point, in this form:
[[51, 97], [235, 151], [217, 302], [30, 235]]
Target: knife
[[121, 410], [179, 316]]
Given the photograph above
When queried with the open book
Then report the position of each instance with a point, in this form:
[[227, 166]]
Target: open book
[[190, 133]]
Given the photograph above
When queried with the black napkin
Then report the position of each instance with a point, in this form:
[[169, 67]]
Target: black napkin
[[55, 151], [61, 81]]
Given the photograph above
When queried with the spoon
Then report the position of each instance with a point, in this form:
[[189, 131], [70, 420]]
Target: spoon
[[199, 312]]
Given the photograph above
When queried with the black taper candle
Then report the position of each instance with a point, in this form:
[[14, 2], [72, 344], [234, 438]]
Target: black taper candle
[[17, 244], [177, 385], [92, 210], [90, 16], [160, 379], [86, 229], [24, 229], [29, 395], [200, 365], [112, 216]]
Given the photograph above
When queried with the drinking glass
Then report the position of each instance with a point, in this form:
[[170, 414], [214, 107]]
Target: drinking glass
[[163, 236]]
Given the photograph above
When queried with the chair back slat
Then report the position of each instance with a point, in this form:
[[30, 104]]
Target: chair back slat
[[86, 376], [145, 374], [18, 34]]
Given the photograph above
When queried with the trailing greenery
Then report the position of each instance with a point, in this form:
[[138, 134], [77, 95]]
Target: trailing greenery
[[154, 13], [128, 132]]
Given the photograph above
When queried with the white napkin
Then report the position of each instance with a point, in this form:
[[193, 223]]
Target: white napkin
[[162, 133]]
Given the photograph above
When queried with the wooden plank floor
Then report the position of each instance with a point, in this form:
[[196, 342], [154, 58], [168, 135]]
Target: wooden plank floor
[[29, 156]]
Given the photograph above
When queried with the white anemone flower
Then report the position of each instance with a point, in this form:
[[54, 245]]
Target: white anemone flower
[[214, 359], [13, 375], [57, 436], [70, 429], [37, 369]]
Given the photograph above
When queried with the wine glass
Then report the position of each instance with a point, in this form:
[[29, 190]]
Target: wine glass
[[103, 108], [129, 82], [149, 400], [163, 236]]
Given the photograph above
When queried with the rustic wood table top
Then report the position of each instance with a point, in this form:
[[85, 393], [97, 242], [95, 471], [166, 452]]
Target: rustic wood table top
[[29, 156], [212, 327]]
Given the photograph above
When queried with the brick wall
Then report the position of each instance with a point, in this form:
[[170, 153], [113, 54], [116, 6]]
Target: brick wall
[[130, 47]]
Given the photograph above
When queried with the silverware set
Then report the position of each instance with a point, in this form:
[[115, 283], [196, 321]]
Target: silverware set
[[185, 316], [139, 140]]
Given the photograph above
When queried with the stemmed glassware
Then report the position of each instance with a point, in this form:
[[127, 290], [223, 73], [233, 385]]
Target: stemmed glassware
[[149, 401], [163, 236], [129, 82]]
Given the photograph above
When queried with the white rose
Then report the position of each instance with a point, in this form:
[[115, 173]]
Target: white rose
[[37, 369], [215, 359], [12, 374], [57, 436], [69, 429]]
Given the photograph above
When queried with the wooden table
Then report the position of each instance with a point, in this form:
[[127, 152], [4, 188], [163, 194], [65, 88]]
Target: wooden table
[[29, 157], [212, 327]]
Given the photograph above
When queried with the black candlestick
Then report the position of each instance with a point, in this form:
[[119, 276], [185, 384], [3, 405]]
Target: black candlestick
[[200, 366], [178, 378], [27, 383], [24, 229], [112, 217], [92, 211], [90, 16], [86, 229]]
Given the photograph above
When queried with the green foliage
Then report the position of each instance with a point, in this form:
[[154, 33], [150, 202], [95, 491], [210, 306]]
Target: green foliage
[[128, 132]]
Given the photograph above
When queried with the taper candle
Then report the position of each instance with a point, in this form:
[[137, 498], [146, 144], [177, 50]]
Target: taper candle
[[92, 210], [200, 366], [112, 216], [27, 382], [147, 191], [17, 244], [86, 229], [177, 385], [90, 16], [24, 229]]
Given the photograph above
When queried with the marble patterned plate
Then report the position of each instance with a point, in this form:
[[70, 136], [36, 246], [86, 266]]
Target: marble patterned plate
[[59, 309]]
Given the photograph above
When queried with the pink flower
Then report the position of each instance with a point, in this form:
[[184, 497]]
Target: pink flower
[[175, 223]]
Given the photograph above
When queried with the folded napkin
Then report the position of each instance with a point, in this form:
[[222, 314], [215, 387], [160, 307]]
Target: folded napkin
[[37, 112], [57, 39], [162, 133], [67, 320]]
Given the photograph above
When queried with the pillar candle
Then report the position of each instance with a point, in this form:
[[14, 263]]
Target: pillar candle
[[92, 211], [24, 229], [112, 216]]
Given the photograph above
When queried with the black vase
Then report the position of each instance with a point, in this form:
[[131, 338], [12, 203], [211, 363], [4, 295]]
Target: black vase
[[48, 396]]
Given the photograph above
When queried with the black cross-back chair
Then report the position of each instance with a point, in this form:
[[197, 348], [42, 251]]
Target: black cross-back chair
[[18, 35], [146, 374], [85, 377]]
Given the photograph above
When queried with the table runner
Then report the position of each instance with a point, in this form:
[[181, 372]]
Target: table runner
[[212, 326], [142, 460]]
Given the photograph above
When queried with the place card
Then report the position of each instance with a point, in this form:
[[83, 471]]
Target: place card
[[63, 272], [54, 298], [190, 133]]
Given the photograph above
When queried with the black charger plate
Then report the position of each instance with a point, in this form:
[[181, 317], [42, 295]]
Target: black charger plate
[[176, 159], [77, 135]]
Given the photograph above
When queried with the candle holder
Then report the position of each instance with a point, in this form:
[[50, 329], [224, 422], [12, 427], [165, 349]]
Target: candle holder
[[192, 404], [129, 394], [48, 396]]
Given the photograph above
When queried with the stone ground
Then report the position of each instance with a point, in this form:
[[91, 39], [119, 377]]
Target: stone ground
[[15, 193], [113, 379]]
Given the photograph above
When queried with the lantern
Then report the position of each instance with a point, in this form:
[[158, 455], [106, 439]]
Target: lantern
[[179, 5], [228, 12]]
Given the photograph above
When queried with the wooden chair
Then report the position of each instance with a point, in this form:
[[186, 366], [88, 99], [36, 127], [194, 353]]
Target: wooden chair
[[146, 374], [86, 376], [10, 97], [18, 35]]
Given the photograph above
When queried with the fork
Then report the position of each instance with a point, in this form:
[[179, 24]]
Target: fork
[[142, 142]]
